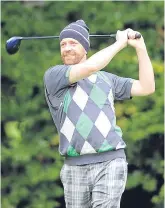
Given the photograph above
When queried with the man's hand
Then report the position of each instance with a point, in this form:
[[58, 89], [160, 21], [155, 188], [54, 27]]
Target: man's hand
[[138, 43], [121, 37], [127, 37]]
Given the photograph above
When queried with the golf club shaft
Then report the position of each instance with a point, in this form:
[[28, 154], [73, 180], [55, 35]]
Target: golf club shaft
[[138, 35], [47, 37]]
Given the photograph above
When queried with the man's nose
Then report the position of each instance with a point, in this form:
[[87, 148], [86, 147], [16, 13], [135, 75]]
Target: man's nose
[[68, 47]]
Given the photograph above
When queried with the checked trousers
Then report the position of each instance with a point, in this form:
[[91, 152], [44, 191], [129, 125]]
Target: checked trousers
[[97, 185]]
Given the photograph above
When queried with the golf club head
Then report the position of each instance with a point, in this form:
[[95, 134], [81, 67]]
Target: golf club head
[[13, 44]]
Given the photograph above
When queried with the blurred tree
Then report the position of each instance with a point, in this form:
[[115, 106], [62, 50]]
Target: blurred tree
[[30, 159]]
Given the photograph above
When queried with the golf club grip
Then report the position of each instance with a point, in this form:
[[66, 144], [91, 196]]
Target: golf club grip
[[137, 36]]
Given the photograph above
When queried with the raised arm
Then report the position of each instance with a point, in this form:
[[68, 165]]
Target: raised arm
[[99, 60], [146, 83]]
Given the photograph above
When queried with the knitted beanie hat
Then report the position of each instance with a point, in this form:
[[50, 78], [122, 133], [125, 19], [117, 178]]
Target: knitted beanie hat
[[79, 31]]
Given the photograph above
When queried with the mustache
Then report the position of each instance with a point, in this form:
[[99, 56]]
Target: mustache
[[68, 53]]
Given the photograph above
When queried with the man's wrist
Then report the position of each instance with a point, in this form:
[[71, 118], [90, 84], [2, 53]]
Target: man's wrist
[[120, 44], [141, 50]]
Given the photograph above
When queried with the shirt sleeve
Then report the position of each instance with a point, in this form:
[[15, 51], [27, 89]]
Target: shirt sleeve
[[57, 78], [122, 87]]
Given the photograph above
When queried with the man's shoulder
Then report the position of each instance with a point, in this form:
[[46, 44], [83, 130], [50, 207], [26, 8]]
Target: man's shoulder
[[50, 69], [48, 72]]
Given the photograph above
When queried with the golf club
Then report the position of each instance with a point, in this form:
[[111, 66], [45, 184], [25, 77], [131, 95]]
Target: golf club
[[13, 44]]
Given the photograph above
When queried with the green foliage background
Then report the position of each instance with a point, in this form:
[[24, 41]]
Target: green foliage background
[[30, 159]]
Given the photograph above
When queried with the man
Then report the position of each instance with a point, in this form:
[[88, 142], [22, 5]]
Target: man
[[81, 101]]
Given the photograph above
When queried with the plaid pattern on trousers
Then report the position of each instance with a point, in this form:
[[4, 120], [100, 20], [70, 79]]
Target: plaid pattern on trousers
[[98, 185]]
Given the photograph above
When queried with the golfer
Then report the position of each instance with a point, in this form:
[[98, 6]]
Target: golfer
[[80, 96]]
